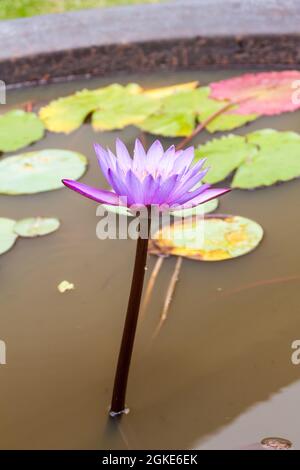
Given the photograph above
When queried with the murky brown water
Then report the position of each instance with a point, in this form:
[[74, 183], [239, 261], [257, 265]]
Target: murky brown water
[[219, 375]]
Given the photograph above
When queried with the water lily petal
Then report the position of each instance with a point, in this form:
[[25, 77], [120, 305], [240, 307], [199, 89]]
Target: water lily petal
[[99, 195], [139, 157], [193, 170], [124, 159], [135, 195], [117, 181], [165, 189], [187, 185], [204, 197], [154, 155], [184, 160], [167, 162], [106, 159]]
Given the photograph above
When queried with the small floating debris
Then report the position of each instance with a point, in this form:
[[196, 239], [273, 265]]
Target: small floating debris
[[64, 286], [276, 443]]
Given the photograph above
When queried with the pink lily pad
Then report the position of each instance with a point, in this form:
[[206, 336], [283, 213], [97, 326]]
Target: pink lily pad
[[266, 93]]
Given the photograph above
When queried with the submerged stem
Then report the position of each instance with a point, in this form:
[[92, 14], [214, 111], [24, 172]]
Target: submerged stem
[[151, 284], [169, 296], [123, 365]]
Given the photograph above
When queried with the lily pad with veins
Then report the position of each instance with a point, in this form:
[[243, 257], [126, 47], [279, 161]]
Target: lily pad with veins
[[261, 158]]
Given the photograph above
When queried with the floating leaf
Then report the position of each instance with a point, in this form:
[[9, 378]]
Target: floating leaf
[[178, 112], [226, 121], [261, 158], [277, 158], [169, 125], [223, 156], [214, 238], [176, 116], [112, 102], [64, 286], [124, 110], [163, 92], [264, 93], [40, 171], [185, 102], [19, 129], [68, 113], [7, 234], [36, 226]]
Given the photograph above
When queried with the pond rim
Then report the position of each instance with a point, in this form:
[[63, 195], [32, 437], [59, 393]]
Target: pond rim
[[182, 35]]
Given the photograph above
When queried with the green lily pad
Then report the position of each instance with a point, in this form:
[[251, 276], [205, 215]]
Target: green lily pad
[[224, 155], [277, 159], [40, 171], [19, 129], [261, 158], [216, 238], [126, 109], [169, 125], [36, 226], [184, 102], [7, 234], [176, 116], [178, 113]]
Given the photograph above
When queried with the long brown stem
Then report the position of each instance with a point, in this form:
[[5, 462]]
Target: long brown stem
[[123, 365], [203, 125]]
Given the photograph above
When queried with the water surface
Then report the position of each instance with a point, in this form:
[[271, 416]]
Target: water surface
[[219, 375]]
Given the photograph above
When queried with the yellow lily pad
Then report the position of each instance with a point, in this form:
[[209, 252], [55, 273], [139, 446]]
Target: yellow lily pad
[[163, 92], [114, 106], [216, 237]]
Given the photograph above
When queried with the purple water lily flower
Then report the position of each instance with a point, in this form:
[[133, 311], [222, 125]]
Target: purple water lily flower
[[165, 179], [157, 177]]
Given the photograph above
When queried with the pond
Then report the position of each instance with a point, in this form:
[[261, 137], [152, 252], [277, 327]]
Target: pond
[[219, 374]]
